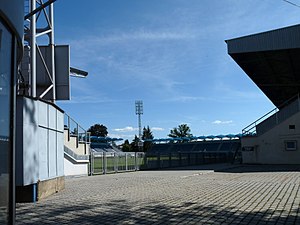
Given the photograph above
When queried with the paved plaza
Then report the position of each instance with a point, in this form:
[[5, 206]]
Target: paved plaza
[[209, 194]]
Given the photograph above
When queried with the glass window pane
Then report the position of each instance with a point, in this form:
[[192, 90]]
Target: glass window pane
[[5, 114]]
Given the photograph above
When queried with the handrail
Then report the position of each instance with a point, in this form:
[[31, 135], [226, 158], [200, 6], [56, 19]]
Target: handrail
[[74, 155], [250, 130], [83, 136], [259, 120]]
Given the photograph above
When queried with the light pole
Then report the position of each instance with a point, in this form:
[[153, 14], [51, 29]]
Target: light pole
[[139, 112]]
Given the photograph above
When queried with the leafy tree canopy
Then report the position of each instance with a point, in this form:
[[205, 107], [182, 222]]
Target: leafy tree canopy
[[183, 130], [98, 130], [134, 144], [147, 133], [126, 146]]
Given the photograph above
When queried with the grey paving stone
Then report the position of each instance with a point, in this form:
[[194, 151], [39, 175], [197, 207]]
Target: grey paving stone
[[210, 194]]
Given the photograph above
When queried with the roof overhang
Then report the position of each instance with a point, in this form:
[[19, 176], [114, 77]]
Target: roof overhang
[[272, 60]]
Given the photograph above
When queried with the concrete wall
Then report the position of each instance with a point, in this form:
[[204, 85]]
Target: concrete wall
[[39, 141], [49, 187], [269, 148], [73, 168]]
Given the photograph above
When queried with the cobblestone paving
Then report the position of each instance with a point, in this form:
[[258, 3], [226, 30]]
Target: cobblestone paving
[[199, 195]]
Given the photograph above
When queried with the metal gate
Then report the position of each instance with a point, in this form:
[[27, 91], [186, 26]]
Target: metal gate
[[113, 162]]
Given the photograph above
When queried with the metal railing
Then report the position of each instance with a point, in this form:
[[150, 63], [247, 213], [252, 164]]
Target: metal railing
[[272, 118], [107, 162], [74, 155], [179, 159], [75, 130]]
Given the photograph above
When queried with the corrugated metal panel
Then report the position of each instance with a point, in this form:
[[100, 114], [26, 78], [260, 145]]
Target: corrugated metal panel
[[40, 145], [52, 153], [43, 154], [284, 38], [60, 154]]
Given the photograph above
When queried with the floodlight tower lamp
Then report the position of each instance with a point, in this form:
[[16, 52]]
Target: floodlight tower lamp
[[74, 72], [139, 112]]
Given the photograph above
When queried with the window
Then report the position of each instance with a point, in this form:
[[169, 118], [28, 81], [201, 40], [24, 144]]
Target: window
[[291, 145], [292, 127], [6, 43]]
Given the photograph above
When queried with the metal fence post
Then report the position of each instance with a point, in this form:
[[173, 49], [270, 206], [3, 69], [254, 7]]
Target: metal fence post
[[126, 162], [92, 163], [69, 129], [116, 162], [135, 161], [85, 141], [77, 140], [104, 163]]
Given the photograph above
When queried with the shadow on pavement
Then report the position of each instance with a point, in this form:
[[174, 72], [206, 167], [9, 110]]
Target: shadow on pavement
[[238, 168], [123, 212], [243, 168]]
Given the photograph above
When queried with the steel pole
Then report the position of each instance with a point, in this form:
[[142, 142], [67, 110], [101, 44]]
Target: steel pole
[[33, 48], [51, 37]]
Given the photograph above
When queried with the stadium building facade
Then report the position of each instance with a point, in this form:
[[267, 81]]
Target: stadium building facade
[[11, 50], [271, 60], [37, 139]]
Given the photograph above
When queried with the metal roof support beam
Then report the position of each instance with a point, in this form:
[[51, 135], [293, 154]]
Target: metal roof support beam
[[31, 36], [51, 37], [38, 9], [33, 47]]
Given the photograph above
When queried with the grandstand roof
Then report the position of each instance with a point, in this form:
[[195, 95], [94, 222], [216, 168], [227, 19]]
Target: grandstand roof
[[210, 137], [271, 59], [104, 139]]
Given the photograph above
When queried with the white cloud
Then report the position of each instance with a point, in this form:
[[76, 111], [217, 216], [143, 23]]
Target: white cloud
[[87, 99], [126, 129], [222, 122], [188, 99], [147, 56], [124, 136], [131, 129], [157, 129], [138, 35]]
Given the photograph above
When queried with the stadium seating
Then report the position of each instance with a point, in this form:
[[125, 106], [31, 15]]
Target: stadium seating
[[197, 146]]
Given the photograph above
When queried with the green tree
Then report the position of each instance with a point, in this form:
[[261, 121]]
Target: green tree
[[147, 134], [126, 146], [183, 130], [98, 130], [134, 144]]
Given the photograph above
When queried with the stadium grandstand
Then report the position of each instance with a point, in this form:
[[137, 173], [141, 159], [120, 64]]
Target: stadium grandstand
[[271, 60], [211, 143], [104, 144], [187, 151]]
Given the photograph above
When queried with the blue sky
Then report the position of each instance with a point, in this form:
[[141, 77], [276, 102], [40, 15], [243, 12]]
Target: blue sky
[[169, 53]]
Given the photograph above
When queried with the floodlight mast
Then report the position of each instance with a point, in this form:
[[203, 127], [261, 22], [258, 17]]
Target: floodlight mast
[[139, 112], [33, 31]]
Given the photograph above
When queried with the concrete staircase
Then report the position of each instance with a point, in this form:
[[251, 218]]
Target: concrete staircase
[[76, 148]]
